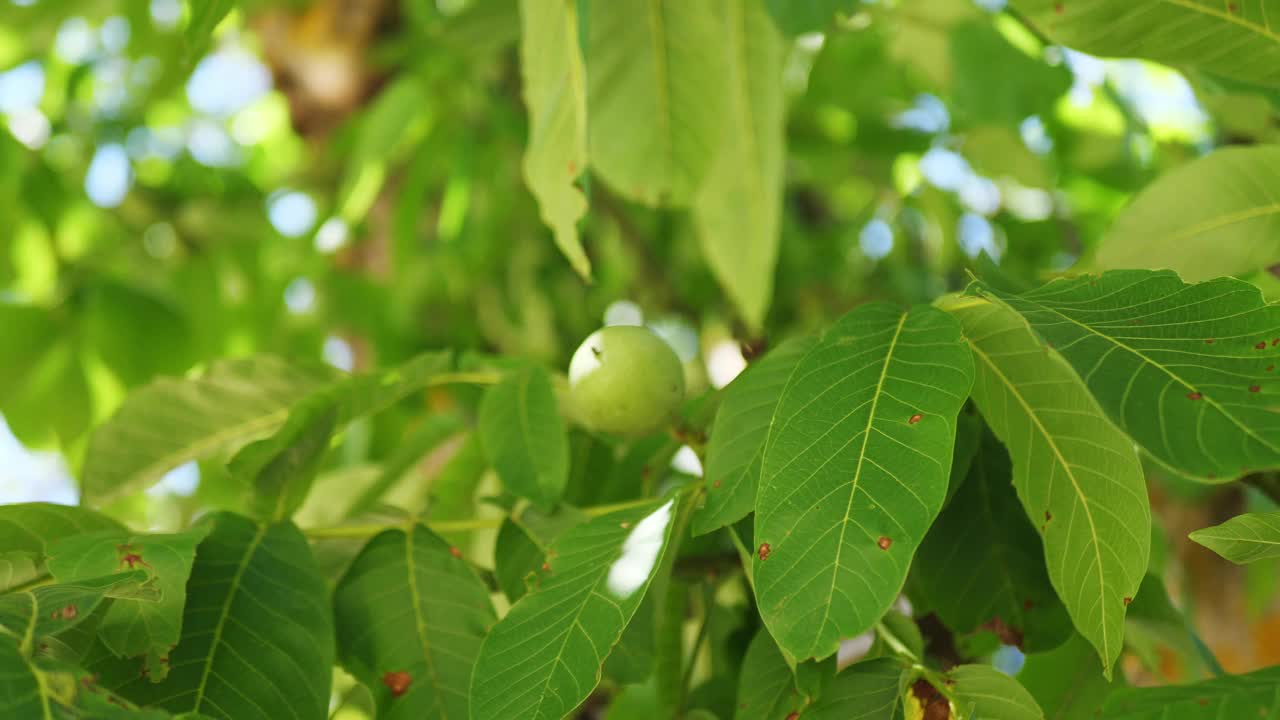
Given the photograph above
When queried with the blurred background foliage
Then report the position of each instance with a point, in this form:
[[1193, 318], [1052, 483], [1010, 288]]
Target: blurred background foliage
[[341, 180]]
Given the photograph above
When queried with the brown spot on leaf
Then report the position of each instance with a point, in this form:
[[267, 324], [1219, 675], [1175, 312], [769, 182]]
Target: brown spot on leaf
[[1254, 388], [624, 525], [914, 419], [1270, 368], [1194, 396], [883, 543], [764, 551], [573, 168], [1261, 346], [1209, 341], [793, 715], [454, 551], [1203, 701], [70, 612], [397, 681], [1048, 516], [715, 484], [546, 567], [1127, 600], [1027, 605]]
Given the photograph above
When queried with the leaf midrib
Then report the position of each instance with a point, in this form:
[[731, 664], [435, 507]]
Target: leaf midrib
[[857, 473], [1066, 468], [419, 622], [225, 613]]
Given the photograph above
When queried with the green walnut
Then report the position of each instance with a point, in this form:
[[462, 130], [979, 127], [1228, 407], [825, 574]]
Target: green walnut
[[626, 380]]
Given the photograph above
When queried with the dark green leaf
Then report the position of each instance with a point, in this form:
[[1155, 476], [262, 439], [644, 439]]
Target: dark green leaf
[[410, 615], [766, 688], [867, 690], [855, 471], [52, 609], [1244, 538], [983, 566], [1067, 682], [545, 656], [1077, 476], [257, 631], [525, 437], [984, 692], [736, 447], [522, 545], [1186, 370]]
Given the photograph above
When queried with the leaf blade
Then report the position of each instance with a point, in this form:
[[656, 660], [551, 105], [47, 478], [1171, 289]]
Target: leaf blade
[[916, 355], [1053, 428], [525, 436], [1243, 539], [598, 577]]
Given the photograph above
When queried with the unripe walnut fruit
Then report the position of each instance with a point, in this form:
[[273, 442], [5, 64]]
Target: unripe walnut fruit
[[626, 380]]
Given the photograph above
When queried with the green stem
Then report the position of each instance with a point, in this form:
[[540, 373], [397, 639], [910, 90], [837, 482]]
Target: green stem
[[894, 643], [33, 583], [481, 377]]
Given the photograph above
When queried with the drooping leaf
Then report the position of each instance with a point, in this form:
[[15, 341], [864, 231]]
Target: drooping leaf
[[132, 628], [525, 437], [984, 692], [1254, 695], [983, 566], [1231, 227], [26, 528], [657, 60], [738, 207], [410, 616], [855, 470], [52, 609], [257, 631], [172, 421], [1245, 538], [1188, 371], [280, 469], [866, 690], [1067, 682], [796, 17], [736, 447], [555, 92], [545, 656], [1185, 33], [1078, 477]]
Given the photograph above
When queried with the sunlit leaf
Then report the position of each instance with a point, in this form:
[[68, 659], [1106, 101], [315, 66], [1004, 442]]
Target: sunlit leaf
[[658, 60], [1231, 225], [1232, 696], [410, 615], [257, 631], [1190, 33], [983, 566], [736, 447], [555, 92], [1245, 538], [27, 528], [738, 208], [1188, 371], [525, 437], [1078, 477], [855, 471], [545, 656], [132, 628]]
